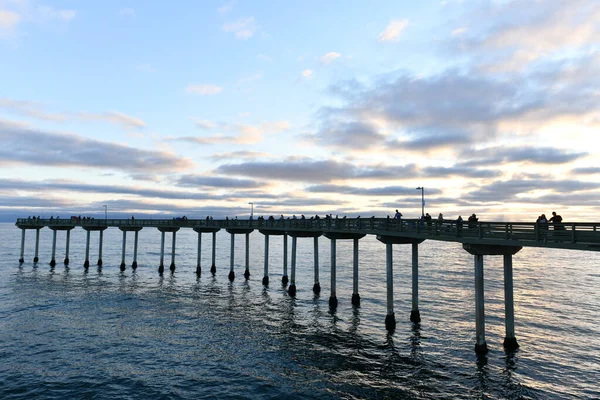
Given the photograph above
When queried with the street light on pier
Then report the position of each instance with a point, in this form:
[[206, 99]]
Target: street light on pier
[[422, 189], [105, 212], [251, 210]]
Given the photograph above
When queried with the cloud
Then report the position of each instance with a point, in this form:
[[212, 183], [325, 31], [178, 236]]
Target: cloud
[[204, 89], [349, 135], [393, 30], [523, 154], [239, 154], [309, 170], [118, 118], [17, 12], [204, 124], [227, 7], [366, 191], [586, 170], [218, 182], [330, 57], [243, 28], [307, 73], [243, 133], [46, 13], [8, 22], [26, 145]]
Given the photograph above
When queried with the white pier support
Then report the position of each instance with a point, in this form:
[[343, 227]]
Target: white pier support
[[390, 318], [213, 267], [232, 258], [284, 278], [37, 246], [480, 344], [123, 250], [247, 270], [317, 285], [172, 267], [199, 259], [100, 240], [22, 259], [355, 295], [134, 264], [86, 263], [510, 341], [53, 259], [265, 280], [415, 315], [292, 288], [161, 267], [333, 302], [67, 247]]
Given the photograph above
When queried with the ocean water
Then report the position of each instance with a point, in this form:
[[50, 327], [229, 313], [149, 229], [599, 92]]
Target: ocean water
[[102, 333]]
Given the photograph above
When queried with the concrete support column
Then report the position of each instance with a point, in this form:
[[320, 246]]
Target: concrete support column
[[510, 341], [292, 288], [22, 259], [37, 246], [232, 258], [100, 248], [284, 278], [161, 267], [213, 267], [265, 280], [480, 344], [317, 285], [199, 260], [390, 318], [247, 270], [415, 315], [172, 267], [123, 251], [67, 247], [355, 295], [134, 264], [53, 259], [86, 263], [333, 302]]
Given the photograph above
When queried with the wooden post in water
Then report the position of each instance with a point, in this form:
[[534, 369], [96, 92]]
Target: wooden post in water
[[86, 263], [231, 258], [53, 259], [172, 267], [284, 278], [333, 302], [199, 259], [100, 248], [510, 341], [134, 264], [390, 318], [22, 259], [247, 270], [213, 267], [292, 288], [123, 250], [480, 344], [67, 247], [415, 315], [355, 295], [265, 280], [161, 267], [317, 285], [37, 245]]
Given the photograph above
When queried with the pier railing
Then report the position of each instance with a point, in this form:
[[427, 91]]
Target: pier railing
[[576, 235]]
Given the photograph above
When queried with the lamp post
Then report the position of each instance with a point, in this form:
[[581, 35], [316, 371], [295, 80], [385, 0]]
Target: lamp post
[[251, 209], [422, 189], [105, 212]]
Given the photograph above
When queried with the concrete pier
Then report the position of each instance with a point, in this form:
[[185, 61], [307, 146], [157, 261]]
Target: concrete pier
[[390, 318], [100, 248], [123, 250], [213, 267], [355, 295], [317, 284], [231, 275], [265, 280], [67, 246], [22, 259], [199, 257], [161, 267], [292, 288], [207, 229], [53, 259], [86, 263], [284, 277], [478, 251], [174, 241], [333, 301], [247, 270], [415, 315], [37, 246], [134, 264]]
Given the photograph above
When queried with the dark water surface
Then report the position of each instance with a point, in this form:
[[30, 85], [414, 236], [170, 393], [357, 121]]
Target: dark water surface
[[68, 333]]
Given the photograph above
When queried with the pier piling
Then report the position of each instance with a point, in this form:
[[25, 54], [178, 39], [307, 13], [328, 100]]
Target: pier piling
[[37, 246], [317, 285], [390, 318], [247, 270], [292, 288], [232, 258], [100, 248], [199, 259], [22, 259], [53, 259], [161, 267], [480, 344], [172, 266], [415, 315], [134, 264], [355, 295], [213, 267], [265, 279], [123, 250], [86, 263], [284, 277], [510, 341], [333, 301], [67, 247]]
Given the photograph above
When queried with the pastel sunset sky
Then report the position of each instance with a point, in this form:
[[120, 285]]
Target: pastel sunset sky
[[199, 108]]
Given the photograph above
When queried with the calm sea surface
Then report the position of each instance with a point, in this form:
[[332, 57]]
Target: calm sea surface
[[68, 333]]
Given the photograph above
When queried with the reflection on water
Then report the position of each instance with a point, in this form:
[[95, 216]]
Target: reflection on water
[[76, 333]]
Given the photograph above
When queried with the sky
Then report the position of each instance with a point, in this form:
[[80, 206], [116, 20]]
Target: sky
[[220, 108]]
